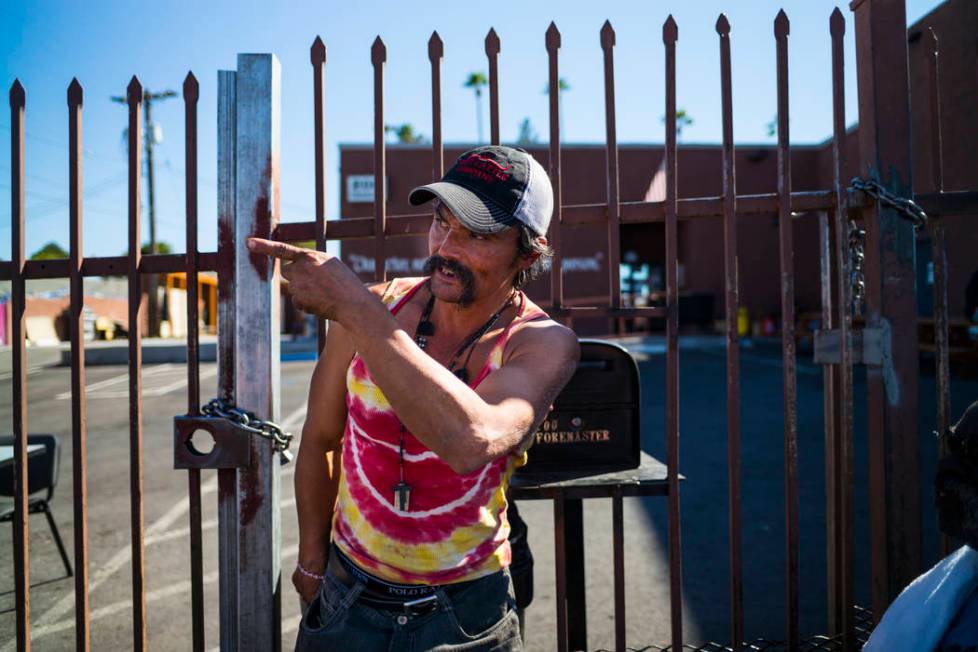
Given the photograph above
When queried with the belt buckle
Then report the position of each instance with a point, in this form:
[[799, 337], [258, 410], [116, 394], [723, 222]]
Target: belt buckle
[[416, 607]]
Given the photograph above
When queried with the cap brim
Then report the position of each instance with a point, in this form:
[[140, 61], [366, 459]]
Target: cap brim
[[474, 212]]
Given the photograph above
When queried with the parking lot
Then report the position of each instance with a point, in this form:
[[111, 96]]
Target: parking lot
[[704, 507]]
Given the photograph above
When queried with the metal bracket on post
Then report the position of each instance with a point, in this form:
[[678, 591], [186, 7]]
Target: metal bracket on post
[[232, 447], [866, 345]]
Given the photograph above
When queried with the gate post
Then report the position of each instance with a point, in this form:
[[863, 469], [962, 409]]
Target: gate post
[[884, 153], [249, 510]]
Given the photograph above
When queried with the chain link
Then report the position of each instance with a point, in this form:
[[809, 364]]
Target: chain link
[[907, 208], [248, 422], [857, 268]]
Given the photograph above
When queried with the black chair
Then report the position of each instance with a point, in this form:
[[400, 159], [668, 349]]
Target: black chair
[[42, 476]]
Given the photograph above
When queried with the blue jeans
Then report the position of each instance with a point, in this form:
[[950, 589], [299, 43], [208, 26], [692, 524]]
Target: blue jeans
[[480, 618]]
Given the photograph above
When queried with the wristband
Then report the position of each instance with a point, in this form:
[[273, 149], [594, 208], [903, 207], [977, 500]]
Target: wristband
[[309, 573]]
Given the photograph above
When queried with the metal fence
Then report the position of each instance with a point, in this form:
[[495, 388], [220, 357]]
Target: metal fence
[[248, 164]]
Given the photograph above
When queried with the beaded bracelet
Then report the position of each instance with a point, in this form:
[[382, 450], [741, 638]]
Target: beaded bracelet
[[309, 573]]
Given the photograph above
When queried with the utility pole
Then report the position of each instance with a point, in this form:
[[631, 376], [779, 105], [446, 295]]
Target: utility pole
[[149, 141]]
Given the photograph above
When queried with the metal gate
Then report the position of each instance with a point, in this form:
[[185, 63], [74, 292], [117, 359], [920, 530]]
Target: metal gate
[[248, 162]]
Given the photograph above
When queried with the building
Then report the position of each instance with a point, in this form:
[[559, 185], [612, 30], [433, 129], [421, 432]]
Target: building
[[700, 241]]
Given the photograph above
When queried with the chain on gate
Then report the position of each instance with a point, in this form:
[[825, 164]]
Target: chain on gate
[[248, 422], [906, 208]]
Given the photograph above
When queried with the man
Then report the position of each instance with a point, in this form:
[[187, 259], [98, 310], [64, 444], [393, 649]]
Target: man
[[420, 409]]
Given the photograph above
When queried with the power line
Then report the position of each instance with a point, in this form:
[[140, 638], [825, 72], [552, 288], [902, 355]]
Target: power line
[[51, 142]]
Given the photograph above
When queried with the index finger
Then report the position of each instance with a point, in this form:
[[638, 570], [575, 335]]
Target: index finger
[[273, 248]]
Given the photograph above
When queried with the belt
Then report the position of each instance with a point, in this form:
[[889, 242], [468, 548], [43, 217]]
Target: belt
[[412, 599]]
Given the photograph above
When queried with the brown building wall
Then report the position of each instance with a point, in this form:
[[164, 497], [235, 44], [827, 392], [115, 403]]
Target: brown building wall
[[701, 241], [585, 248], [955, 24]]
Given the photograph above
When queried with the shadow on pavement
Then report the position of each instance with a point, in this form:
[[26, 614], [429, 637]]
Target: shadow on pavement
[[704, 494]]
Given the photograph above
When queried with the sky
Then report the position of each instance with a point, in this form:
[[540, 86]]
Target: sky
[[47, 43]]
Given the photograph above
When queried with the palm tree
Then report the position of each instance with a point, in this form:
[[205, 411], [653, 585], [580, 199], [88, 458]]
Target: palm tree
[[476, 81], [404, 133], [683, 119], [527, 135]]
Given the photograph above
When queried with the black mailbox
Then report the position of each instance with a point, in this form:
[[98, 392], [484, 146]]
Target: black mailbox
[[594, 426]]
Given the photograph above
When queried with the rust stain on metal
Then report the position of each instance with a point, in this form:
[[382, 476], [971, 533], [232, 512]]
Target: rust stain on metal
[[251, 497], [225, 291], [262, 221]]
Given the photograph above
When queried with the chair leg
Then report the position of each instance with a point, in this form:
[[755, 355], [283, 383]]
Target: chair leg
[[57, 539]]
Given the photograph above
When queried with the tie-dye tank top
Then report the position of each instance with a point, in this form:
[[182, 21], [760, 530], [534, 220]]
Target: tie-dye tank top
[[455, 528]]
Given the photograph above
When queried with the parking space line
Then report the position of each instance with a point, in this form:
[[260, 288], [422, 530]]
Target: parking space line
[[30, 371], [180, 588], [116, 380], [122, 557]]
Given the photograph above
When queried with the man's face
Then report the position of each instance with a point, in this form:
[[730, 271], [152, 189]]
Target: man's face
[[465, 265]]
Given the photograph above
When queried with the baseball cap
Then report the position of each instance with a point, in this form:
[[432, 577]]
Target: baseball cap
[[494, 187]]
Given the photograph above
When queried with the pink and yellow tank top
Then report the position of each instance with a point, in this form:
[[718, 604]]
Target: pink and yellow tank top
[[455, 528]]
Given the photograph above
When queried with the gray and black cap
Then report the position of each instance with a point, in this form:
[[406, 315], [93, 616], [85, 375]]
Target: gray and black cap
[[494, 187]]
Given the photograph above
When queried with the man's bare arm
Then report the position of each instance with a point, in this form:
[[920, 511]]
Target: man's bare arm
[[317, 462], [466, 428], [463, 427]]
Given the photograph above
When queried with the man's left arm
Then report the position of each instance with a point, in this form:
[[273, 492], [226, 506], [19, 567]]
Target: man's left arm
[[464, 427], [468, 428]]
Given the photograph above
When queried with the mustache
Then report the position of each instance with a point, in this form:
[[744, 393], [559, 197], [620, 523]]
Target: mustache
[[464, 274]]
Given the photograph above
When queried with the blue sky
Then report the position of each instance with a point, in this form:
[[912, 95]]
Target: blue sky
[[103, 44]]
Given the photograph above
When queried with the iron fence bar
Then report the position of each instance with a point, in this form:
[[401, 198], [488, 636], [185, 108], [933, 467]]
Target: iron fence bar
[[844, 515], [830, 402], [79, 432], [611, 155], [670, 34], [22, 567], [135, 100], [492, 53], [575, 584], [938, 255], [618, 546], [317, 56], [712, 207], [191, 94], [884, 153], [257, 355], [436, 52], [552, 41], [107, 266], [228, 522], [560, 560], [654, 312], [781, 29], [378, 57], [731, 308], [573, 215]]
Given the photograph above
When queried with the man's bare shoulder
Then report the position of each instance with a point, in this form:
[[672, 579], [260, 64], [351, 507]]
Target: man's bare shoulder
[[543, 334], [379, 289], [387, 290]]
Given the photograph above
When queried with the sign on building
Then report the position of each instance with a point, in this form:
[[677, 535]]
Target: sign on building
[[360, 188]]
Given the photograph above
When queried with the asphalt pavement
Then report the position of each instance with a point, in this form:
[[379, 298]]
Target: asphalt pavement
[[703, 502]]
